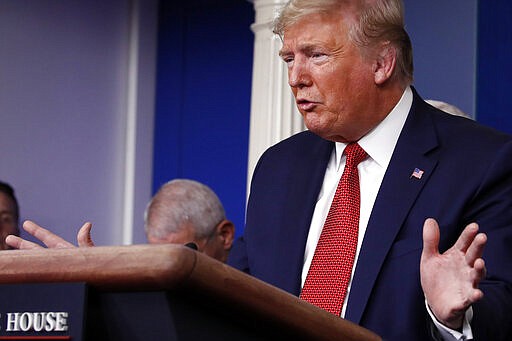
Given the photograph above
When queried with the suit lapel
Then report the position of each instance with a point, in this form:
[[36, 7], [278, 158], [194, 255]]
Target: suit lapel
[[301, 200], [397, 194]]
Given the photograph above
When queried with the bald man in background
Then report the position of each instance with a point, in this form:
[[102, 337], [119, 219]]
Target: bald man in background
[[181, 212]]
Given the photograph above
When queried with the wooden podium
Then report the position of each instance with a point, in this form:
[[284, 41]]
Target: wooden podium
[[150, 292]]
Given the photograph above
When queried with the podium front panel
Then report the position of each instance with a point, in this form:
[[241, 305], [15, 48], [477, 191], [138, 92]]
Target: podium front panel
[[168, 315], [49, 311]]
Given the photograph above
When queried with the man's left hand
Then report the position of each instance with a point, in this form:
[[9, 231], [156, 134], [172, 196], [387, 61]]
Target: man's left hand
[[450, 280]]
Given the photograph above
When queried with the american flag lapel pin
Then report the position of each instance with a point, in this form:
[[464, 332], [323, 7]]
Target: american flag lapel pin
[[417, 173]]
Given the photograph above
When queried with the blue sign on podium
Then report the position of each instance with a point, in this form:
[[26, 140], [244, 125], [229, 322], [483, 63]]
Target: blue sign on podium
[[46, 311]]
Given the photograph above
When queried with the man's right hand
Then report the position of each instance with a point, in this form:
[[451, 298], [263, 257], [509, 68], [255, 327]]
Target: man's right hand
[[48, 238]]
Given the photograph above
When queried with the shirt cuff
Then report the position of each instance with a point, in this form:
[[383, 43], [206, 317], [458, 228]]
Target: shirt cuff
[[449, 334]]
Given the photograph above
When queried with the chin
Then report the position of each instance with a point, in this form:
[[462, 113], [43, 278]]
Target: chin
[[320, 132], [317, 127], [327, 134]]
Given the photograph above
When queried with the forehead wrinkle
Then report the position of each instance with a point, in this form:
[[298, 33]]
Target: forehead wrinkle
[[334, 38], [305, 47]]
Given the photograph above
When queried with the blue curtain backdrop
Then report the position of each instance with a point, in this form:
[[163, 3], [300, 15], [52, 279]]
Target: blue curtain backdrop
[[444, 49], [203, 97], [204, 81], [494, 55]]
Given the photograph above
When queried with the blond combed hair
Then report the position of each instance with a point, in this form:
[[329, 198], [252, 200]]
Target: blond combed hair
[[375, 22]]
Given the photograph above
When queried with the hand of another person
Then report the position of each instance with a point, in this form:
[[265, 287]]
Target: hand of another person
[[48, 238], [450, 280]]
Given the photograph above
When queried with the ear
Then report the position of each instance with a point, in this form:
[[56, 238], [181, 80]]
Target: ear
[[226, 231], [384, 64]]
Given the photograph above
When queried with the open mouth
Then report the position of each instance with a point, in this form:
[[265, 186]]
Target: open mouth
[[305, 105]]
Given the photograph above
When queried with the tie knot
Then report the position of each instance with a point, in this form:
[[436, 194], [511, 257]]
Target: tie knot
[[355, 154]]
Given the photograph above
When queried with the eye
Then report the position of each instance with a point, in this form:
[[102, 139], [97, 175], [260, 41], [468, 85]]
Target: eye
[[7, 218], [318, 56], [288, 60]]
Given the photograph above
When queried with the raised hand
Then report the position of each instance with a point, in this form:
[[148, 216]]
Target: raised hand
[[48, 238], [450, 280]]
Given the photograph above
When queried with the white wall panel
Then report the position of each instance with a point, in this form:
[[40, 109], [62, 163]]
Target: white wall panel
[[64, 99]]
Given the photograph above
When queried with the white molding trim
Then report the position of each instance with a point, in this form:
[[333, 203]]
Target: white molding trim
[[274, 115], [131, 126], [139, 119]]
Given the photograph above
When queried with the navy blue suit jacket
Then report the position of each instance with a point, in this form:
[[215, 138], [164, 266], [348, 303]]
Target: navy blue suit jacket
[[467, 177]]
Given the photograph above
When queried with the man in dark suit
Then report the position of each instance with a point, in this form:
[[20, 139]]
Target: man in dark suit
[[350, 69]]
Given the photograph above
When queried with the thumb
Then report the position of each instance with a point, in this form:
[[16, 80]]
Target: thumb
[[430, 239], [84, 235]]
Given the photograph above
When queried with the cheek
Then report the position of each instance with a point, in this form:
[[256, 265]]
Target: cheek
[[350, 91], [320, 121], [335, 95]]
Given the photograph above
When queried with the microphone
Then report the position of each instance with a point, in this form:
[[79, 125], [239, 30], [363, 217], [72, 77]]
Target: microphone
[[192, 245]]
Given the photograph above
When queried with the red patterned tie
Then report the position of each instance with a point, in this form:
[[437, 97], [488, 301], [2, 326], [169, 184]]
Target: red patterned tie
[[328, 277]]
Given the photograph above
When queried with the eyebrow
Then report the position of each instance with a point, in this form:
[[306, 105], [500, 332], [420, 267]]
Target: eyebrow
[[284, 52], [306, 48]]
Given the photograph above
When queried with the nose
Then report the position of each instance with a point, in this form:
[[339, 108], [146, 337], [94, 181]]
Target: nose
[[298, 75]]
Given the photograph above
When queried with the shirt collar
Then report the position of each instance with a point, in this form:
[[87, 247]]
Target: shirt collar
[[380, 142]]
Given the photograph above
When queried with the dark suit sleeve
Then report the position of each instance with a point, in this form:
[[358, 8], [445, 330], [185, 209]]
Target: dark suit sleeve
[[492, 210], [238, 256]]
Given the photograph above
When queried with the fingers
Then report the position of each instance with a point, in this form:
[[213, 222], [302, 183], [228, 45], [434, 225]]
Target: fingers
[[472, 244], [479, 267], [19, 243], [84, 236], [466, 237], [48, 238], [476, 295], [430, 238], [479, 272], [476, 248]]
